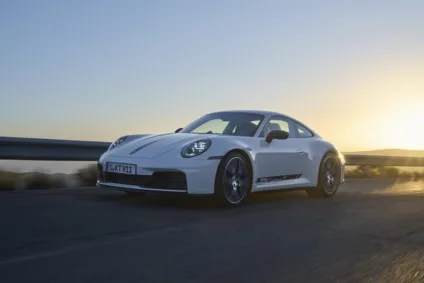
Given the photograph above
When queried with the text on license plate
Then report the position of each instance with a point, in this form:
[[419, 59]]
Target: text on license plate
[[121, 168]]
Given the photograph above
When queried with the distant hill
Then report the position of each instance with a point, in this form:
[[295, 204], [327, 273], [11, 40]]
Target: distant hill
[[391, 152]]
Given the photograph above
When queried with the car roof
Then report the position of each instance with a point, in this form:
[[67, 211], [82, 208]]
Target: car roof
[[268, 114], [261, 112]]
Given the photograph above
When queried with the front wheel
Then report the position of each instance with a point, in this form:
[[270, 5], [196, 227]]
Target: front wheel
[[329, 177], [233, 180]]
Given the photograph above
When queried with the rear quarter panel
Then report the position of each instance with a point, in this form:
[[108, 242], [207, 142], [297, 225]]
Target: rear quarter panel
[[318, 147]]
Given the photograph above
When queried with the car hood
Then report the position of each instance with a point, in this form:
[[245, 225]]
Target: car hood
[[154, 145]]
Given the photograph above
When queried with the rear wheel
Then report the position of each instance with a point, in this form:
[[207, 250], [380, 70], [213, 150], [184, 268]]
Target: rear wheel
[[233, 180], [329, 177]]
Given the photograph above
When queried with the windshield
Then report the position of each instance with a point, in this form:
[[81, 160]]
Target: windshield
[[226, 123]]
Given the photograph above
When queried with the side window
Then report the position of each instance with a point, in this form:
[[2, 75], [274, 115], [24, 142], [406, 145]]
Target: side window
[[275, 124], [302, 132]]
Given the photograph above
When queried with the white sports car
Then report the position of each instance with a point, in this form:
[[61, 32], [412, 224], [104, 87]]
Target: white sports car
[[229, 154]]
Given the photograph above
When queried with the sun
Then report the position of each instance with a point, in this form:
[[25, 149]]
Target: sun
[[403, 126], [411, 131]]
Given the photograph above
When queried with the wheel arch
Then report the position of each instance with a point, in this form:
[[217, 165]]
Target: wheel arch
[[321, 149], [244, 154], [328, 151], [331, 150]]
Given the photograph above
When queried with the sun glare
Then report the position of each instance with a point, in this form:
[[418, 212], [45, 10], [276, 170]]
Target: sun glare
[[404, 127]]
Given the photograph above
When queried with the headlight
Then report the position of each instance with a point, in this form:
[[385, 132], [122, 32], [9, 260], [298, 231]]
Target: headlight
[[196, 148], [117, 142]]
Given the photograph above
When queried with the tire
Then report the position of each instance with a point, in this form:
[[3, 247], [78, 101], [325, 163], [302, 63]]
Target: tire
[[329, 177], [232, 185]]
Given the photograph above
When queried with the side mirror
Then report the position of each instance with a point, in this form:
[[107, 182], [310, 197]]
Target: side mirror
[[177, 130], [277, 135]]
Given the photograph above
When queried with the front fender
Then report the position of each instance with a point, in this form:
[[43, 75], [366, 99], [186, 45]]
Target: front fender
[[221, 146]]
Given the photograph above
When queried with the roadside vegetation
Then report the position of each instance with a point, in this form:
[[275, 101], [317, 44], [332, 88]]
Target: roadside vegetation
[[87, 176], [10, 181], [383, 172]]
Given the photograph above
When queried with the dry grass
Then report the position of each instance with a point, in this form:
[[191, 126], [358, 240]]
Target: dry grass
[[383, 172], [8, 181], [87, 176]]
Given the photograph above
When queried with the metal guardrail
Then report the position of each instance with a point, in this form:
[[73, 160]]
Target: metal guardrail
[[12, 148], [50, 149]]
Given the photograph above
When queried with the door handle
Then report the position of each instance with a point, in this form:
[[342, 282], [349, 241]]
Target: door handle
[[300, 151]]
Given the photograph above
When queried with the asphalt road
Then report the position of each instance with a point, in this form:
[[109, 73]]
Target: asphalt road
[[371, 231]]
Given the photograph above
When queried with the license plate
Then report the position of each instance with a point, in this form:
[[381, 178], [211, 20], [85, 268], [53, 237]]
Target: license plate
[[122, 168]]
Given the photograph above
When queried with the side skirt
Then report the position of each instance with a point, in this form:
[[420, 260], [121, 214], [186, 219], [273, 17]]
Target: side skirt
[[284, 182]]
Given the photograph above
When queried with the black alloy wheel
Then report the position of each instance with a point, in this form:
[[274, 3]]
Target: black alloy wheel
[[233, 181]]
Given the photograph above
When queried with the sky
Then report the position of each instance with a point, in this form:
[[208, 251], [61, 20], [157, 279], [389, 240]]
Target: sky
[[96, 70]]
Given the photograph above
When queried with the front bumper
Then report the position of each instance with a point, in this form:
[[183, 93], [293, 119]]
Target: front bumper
[[159, 181], [134, 188], [189, 176]]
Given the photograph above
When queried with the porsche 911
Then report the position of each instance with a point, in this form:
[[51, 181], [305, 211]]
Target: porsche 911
[[227, 154]]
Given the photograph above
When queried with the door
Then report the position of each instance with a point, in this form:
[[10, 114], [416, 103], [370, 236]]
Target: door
[[280, 161], [308, 165]]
